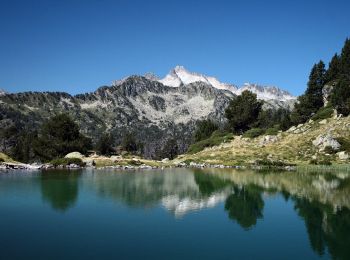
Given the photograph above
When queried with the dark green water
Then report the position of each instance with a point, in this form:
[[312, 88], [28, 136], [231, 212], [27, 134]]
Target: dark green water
[[174, 214]]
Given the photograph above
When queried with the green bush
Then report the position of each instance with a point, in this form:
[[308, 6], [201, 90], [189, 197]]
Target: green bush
[[323, 113], [204, 130], [329, 150], [254, 132], [216, 138], [1, 160], [265, 162], [271, 131], [67, 161], [344, 144], [324, 161]]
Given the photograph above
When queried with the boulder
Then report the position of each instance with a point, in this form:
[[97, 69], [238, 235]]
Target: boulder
[[292, 129], [343, 156], [323, 122], [322, 141], [267, 139], [165, 160], [74, 155]]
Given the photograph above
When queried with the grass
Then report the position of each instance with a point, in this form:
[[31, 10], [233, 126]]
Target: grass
[[291, 148], [5, 158], [216, 138]]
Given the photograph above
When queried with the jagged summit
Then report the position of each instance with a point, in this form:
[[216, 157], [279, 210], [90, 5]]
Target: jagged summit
[[180, 76], [2, 92]]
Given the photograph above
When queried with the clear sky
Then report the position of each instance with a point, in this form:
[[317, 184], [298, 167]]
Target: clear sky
[[77, 46]]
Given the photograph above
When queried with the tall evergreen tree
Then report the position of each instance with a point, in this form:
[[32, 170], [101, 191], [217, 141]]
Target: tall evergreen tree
[[243, 111], [312, 100], [340, 97], [58, 136], [105, 144], [345, 59], [334, 68], [315, 85]]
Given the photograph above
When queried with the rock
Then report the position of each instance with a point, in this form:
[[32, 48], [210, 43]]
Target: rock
[[326, 92], [323, 122], [165, 160], [267, 139], [116, 157], [73, 166], [322, 141], [292, 129], [89, 162], [343, 156], [74, 155], [311, 121]]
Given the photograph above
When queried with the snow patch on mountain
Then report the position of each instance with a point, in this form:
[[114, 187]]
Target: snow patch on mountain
[[2, 92], [180, 76], [266, 92]]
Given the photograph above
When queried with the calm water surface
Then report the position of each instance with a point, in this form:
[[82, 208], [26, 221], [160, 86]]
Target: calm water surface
[[174, 214]]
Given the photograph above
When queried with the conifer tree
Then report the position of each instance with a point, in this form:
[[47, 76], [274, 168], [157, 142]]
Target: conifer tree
[[345, 59], [333, 71]]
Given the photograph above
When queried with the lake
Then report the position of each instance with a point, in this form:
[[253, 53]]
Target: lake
[[174, 214]]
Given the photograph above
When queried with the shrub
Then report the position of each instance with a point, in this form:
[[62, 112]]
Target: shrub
[[216, 138], [329, 150], [67, 161], [344, 144], [1, 160], [271, 131], [265, 162], [323, 113], [204, 130], [324, 161], [254, 132]]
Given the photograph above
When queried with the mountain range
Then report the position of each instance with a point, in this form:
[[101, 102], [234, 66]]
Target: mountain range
[[154, 110]]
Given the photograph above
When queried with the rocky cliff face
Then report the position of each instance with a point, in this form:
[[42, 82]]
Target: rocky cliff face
[[152, 111]]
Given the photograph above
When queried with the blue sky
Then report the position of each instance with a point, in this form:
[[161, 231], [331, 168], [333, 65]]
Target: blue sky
[[77, 46]]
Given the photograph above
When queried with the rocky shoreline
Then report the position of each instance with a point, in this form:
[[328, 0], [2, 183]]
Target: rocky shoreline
[[8, 166]]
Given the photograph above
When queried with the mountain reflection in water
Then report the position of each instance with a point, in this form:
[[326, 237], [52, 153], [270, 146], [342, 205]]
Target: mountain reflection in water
[[321, 200]]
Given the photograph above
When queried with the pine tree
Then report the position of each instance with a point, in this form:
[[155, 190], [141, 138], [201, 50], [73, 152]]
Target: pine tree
[[58, 136], [105, 144], [243, 111], [345, 59], [315, 85], [340, 97], [333, 71], [312, 100]]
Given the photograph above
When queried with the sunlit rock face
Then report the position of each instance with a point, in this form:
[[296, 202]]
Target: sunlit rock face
[[152, 111]]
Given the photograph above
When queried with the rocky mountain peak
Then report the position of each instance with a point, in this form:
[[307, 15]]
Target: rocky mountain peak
[[2, 92]]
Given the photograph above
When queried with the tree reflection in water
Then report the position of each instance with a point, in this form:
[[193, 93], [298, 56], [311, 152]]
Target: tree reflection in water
[[60, 189], [326, 228], [245, 206]]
